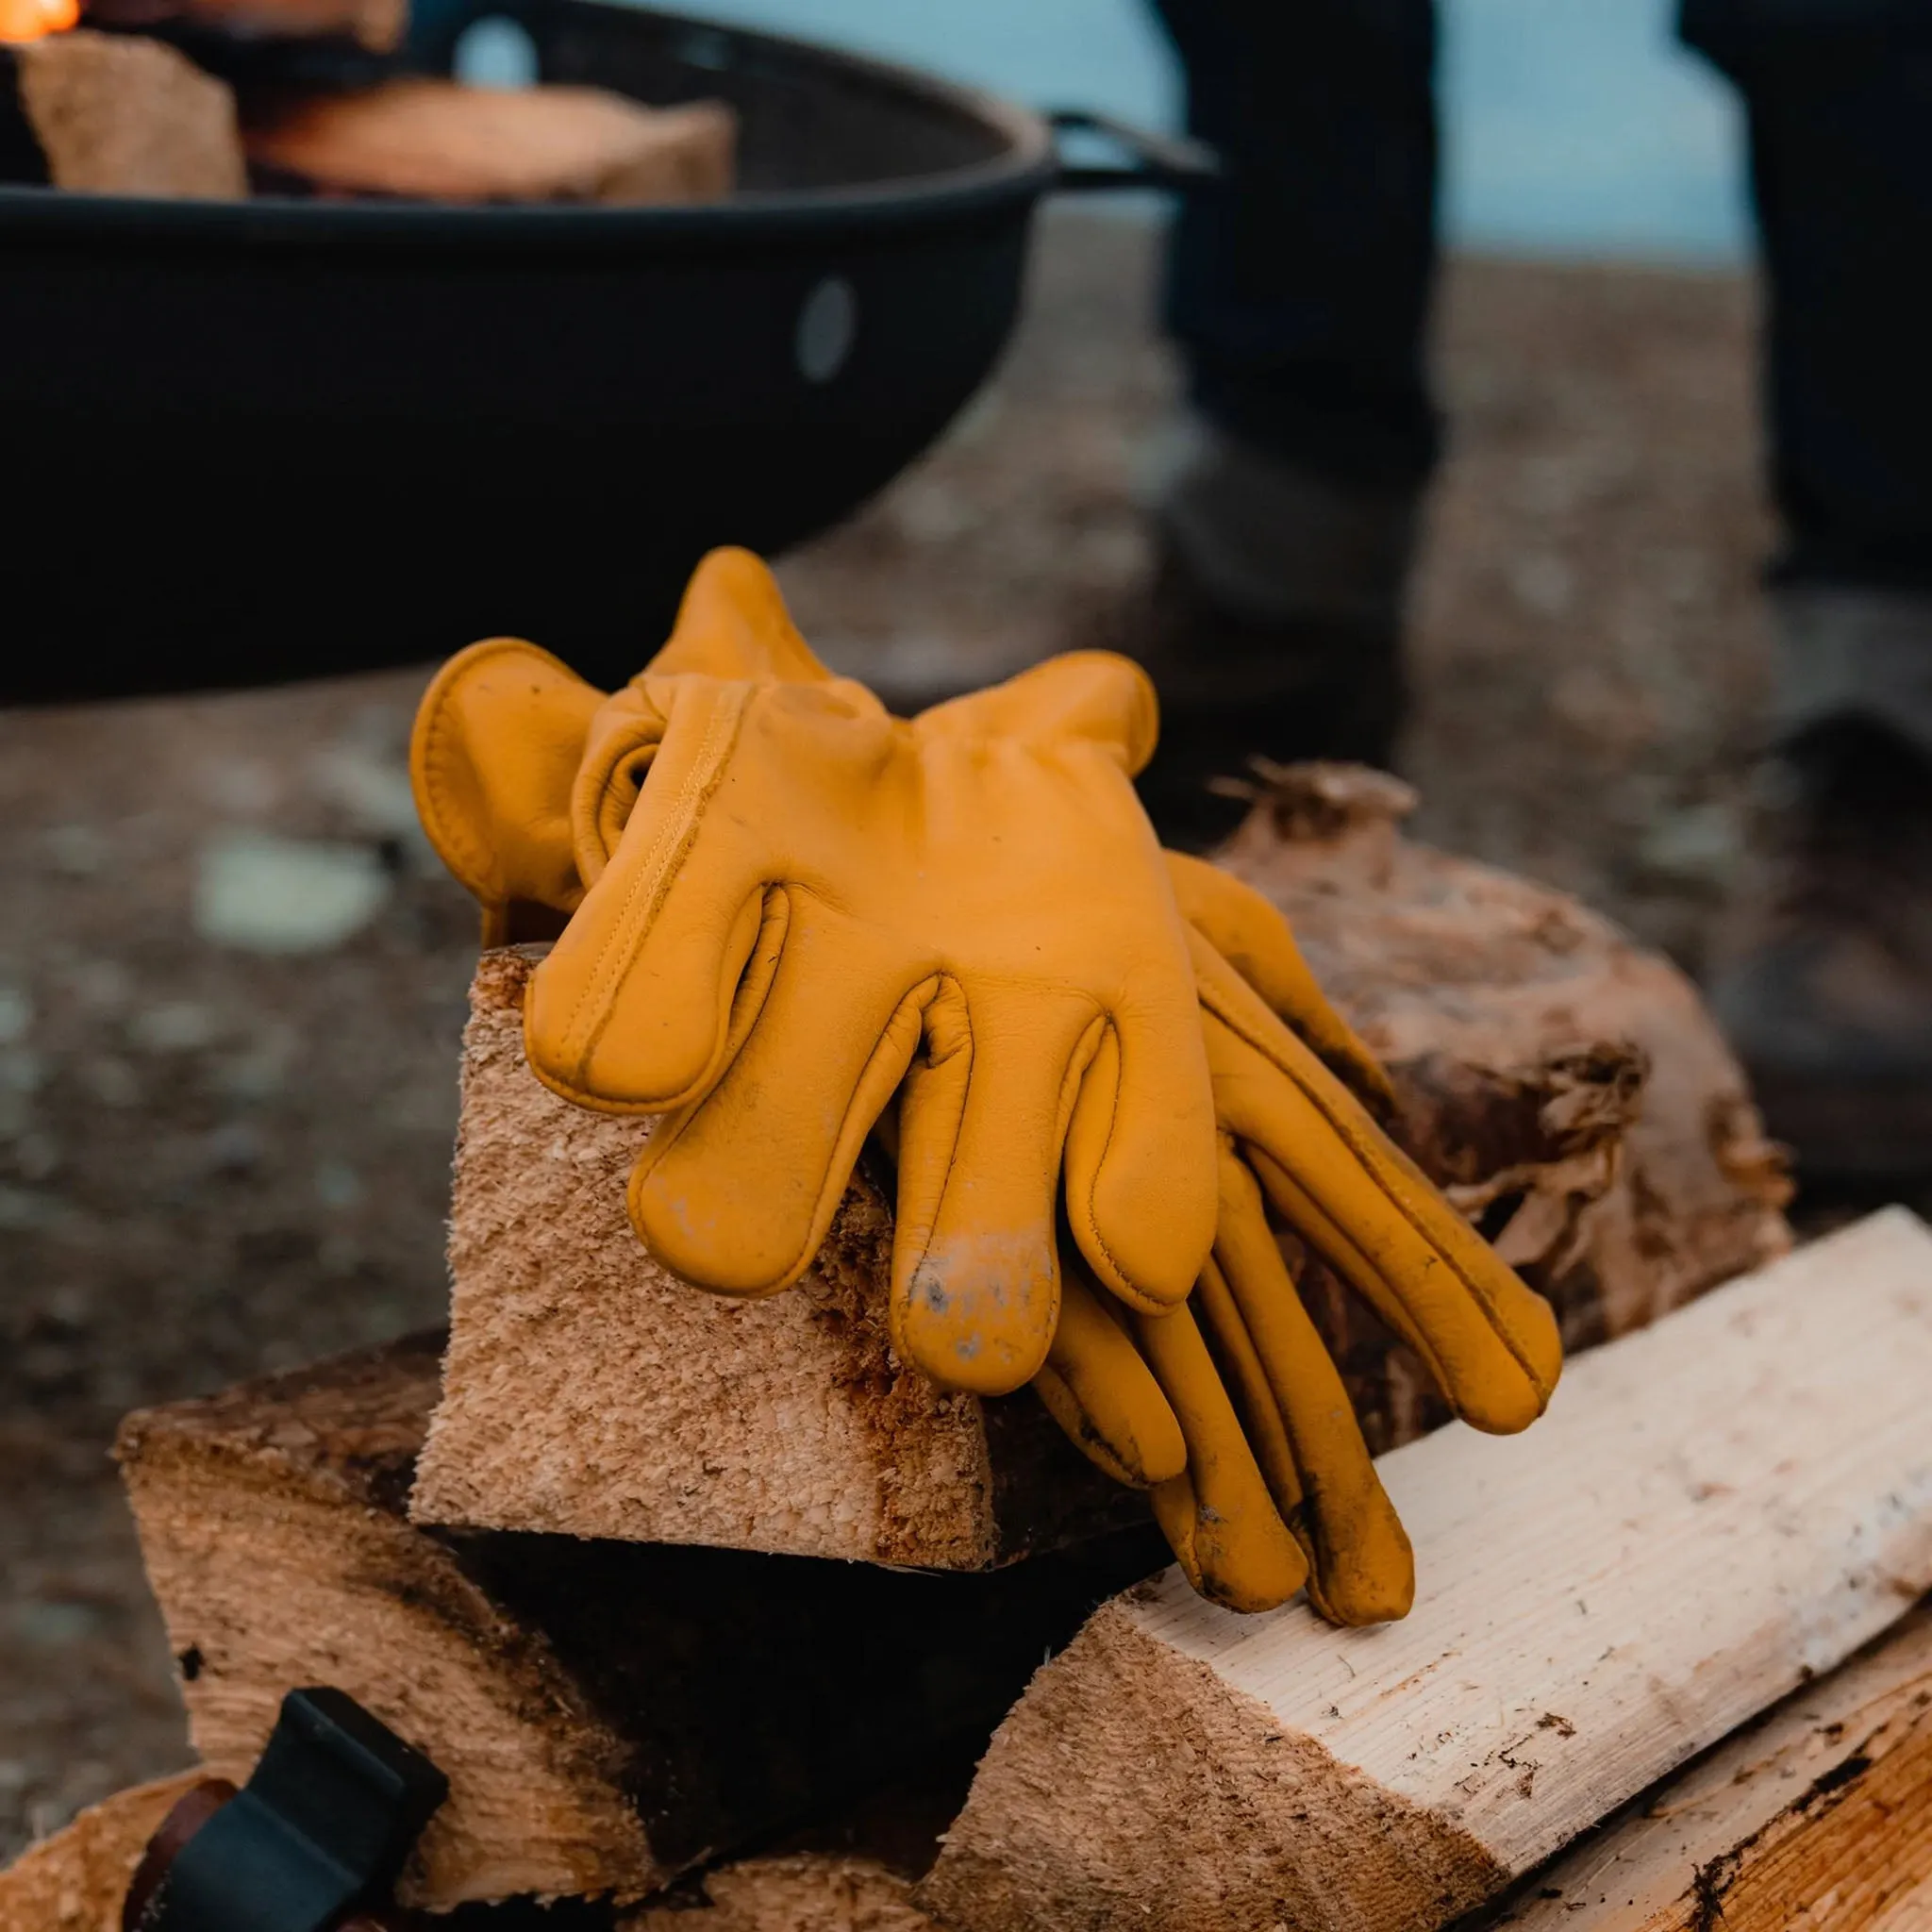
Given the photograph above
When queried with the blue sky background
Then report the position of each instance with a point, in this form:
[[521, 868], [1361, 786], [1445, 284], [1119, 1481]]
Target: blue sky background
[[1572, 126]]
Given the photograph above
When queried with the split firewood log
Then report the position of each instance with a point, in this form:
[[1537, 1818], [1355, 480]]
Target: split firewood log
[[607, 1714], [1819, 1814], [1567, 1086], [440, 140], [116, 114], [74, 1879], [1718, 1509]]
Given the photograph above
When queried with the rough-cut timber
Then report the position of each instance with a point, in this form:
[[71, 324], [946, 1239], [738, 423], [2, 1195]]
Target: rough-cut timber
[[440, 140], [1817, 1816], [1711, 1513], [74, 1880], [588, 1390], [116, 114], [607, 1714]]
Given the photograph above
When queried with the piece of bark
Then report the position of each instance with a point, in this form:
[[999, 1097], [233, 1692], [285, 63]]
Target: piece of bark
[[117, 114], [588, 1390], [607, 1714], [1711, 1513], [1819, 1815], [1509, 1016], [441, 141], [74, 1879]]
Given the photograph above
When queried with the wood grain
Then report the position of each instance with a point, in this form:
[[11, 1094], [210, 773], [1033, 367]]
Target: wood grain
[[1712, 1512]]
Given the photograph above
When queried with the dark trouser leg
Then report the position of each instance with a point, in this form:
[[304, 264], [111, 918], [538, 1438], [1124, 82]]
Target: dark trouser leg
[[1298, 296], [1838, 95], [1830, 997]]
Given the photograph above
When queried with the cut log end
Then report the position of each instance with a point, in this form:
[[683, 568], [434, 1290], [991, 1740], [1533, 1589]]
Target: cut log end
[[117, 114], [607, 1713], [75, 1880]]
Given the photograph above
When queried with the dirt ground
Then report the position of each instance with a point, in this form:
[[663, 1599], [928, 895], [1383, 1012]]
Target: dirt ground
[[231, 978]]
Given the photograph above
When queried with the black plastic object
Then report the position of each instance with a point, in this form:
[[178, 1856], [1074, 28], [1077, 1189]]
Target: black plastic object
[[256, 440], [321, 1828]]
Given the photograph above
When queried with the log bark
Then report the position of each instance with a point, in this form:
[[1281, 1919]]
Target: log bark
[[1566, 1085], [1710, 1513], [439, 141], [1818, 1815], [1511, 1017], [74, 1879], [607, 1714], [116, 114]]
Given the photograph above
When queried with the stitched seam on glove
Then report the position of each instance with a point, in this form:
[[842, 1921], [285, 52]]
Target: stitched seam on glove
[[652, 882], [1345, 1129]]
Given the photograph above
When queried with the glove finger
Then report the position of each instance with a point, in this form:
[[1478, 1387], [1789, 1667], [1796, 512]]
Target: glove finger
[[732, 622], [1140, 1158], [1299, 1419], [1096, 698], [1099, 1392], [735, 1191], [1217, 1515], [630, 1010], [495, 748], [1370, 1212], [982, 1123], [1252, 938]]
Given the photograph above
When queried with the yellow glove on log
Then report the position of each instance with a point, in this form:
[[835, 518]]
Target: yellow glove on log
[[810, 902], [1339, 1182]]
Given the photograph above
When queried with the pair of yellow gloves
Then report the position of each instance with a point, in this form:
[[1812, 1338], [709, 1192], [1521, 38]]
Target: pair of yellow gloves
[[786, 918]]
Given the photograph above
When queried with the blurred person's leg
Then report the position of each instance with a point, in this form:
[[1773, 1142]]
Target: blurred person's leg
[[1286, 496], [1829, 996]]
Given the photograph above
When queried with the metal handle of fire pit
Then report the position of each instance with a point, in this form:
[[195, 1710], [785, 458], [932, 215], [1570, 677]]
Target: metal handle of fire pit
[[1152, 159]]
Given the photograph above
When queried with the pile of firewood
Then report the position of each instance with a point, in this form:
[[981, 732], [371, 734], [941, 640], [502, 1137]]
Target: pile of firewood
[[125, 104], [583, 1550]]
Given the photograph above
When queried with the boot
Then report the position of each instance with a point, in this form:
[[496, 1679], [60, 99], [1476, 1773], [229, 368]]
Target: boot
[[1271, 628], [1828, 995]]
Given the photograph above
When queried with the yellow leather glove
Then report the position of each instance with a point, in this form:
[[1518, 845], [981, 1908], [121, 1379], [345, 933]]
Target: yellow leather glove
[[1271, 1449], [499, 738], [811, 903]]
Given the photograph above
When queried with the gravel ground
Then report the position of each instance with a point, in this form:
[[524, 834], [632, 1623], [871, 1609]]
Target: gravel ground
[[231, 978]]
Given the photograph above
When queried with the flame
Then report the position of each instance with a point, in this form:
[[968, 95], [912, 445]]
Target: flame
[[28, 20]]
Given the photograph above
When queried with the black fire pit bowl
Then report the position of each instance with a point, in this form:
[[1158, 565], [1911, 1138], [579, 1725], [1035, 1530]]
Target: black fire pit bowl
[[253, 442]]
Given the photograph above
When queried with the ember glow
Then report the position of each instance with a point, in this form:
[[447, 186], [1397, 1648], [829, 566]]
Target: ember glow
[[28, 20]]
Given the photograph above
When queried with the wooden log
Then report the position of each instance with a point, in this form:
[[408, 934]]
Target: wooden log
[[607, 1714], [440, 140], [1711, 1513], [1819, 1815], [74, 1879], [1470, 983], [116, 114], [588, 1390], [804, 1892]]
